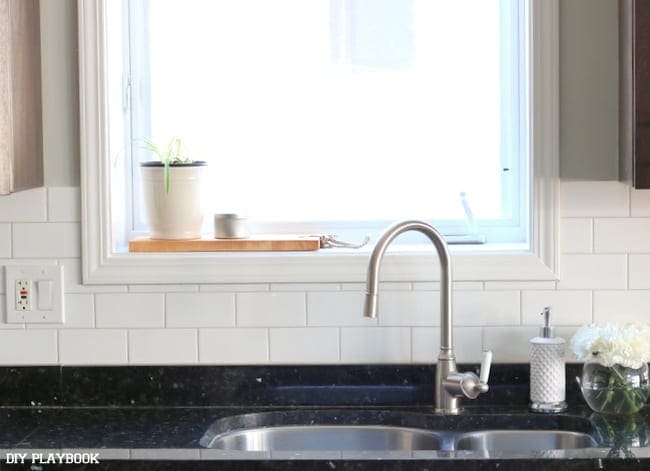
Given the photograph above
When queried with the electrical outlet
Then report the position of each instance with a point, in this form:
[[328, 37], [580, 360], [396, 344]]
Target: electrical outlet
[[23, 295], [34, 294]]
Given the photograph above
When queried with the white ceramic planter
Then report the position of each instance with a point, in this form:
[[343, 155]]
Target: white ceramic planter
[[179, 213]]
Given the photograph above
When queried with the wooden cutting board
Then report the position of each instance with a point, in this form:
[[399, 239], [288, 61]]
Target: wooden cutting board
[[256, 243]]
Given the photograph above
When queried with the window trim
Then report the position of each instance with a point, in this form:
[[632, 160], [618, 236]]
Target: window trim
[[101, 265]]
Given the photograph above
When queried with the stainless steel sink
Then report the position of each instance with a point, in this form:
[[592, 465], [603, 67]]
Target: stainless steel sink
[[523, 440], [371, 430], [326, 437]]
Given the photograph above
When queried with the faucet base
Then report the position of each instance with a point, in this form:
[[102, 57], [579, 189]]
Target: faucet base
[[455, 411]]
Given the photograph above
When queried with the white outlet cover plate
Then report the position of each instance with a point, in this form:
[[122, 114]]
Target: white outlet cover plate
[[34, 273]]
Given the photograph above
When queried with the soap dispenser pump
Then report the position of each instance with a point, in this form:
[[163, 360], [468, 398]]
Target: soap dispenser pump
[[547, 370]]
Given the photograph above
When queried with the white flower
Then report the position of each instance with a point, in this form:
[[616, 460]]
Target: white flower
[[613, 344]]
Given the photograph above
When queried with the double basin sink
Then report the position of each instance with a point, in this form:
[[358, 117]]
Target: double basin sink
[[347, 430]]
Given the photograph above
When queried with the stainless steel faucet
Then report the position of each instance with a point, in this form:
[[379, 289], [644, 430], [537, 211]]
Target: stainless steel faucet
[[450, 384]]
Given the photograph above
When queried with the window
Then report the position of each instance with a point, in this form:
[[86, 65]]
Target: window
[[366, 120], [345, 115]]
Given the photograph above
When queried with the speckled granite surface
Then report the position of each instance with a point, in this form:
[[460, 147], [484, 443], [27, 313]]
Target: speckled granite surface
[[153, 417]]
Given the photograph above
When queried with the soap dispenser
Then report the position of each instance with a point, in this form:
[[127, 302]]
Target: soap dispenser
[[547, 370]]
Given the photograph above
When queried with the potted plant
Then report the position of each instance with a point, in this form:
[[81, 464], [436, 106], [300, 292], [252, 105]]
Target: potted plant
[[172, 192]]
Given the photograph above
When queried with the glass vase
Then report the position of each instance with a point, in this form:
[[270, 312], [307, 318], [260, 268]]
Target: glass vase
[[615, 389]]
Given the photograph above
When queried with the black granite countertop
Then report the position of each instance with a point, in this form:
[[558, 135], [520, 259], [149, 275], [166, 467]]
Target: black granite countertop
[[154, 417]]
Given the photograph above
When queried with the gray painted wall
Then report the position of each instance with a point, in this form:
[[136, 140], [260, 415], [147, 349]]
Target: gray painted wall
[[589, 89], [60, 92], [588, 81]]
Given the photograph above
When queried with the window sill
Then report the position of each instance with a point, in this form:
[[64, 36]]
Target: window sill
[[329, 265]]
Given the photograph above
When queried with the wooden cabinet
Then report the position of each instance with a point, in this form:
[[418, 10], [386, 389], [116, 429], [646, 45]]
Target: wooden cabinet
[[21, 135]]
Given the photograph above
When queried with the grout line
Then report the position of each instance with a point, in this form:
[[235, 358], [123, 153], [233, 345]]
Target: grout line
[[339, 335], [47, 204], [235, 304], [11, 239], [94, 303], [268, 344], [593, 298], [128, 346], [198, 349], [338, 344], [58, 346], [93, 307]]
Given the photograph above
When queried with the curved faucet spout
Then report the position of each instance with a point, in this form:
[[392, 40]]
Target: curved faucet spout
[[372, 286], [450, 385]]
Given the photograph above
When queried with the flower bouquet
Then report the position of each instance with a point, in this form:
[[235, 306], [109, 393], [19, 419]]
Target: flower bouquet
[[615, 376]]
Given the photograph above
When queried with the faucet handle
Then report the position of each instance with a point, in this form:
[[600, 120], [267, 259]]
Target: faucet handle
[[486, 362]]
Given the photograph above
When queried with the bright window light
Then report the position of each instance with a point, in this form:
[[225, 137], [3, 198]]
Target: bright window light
[[337, 115]]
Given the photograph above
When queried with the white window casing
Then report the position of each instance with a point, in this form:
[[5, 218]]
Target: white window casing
[[103, 264]]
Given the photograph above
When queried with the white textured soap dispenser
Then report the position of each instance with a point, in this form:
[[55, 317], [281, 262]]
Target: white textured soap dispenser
[[547, 370]]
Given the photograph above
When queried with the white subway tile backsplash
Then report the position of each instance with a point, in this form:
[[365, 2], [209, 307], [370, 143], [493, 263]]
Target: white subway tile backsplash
[[375, 344], [129, 310], [621, 306], [509, 344], [24, 206], [163, 288], [5, 240], [604, 277], [475, 308], [383, 286], [594, 199], [468, 344], [576, 235], [639, 203], [597, 271], [271, 309], [568, 307], [639, 271], [235, 287], [518, 285], [93, 347], [200, 310], [407, 308], [28, 347], [622, 235], [46, 240], [456, 285], [429, 285], [163, 346], [79, 311], [353, 287], [342, 308], [304, 345], [63, 204], [394, 286], [233, 346], [301, 287]]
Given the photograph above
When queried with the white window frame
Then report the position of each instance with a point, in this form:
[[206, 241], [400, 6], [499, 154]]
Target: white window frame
[[101, 264]]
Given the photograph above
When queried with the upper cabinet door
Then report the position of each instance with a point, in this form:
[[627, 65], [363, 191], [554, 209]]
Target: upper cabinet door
[[21, 135], [634, 92]]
